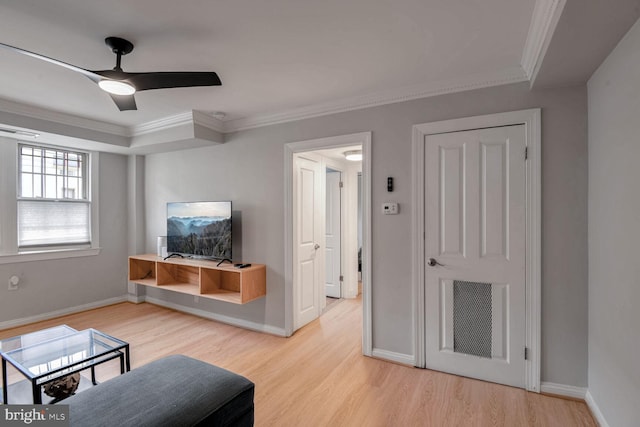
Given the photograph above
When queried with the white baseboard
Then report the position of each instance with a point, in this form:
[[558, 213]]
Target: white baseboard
[[136, 299], [403, 359], [246, 324], [576, 393], [63, 312], [595, 410], [564, 390]]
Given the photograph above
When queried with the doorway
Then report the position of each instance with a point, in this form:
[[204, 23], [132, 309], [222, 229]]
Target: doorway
[[326, 220]]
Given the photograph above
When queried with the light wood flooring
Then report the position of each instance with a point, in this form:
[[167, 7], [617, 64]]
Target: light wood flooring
[[318, 377]]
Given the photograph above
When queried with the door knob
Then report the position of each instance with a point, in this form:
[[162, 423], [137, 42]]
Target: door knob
[[432, 263], [316, 246]]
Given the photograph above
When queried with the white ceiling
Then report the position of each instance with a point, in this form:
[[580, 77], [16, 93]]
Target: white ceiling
[[276, 58]]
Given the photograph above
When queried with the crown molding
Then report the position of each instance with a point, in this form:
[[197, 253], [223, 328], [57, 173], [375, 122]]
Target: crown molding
[[195, 117], [512, 75], [546, 14], [161, 124], [39, 113], [203, 119]]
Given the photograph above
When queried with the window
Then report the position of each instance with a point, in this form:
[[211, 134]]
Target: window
[[53, 203]]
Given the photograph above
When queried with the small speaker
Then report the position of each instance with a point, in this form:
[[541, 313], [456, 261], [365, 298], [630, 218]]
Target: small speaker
[[162, 246]]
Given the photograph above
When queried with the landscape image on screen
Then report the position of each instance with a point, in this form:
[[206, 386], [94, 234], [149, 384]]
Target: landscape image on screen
[[201, 229]]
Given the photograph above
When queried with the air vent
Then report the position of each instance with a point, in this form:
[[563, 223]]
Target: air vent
[[18, 132]]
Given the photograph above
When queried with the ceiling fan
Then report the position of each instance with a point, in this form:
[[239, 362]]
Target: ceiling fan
[[122, 85]]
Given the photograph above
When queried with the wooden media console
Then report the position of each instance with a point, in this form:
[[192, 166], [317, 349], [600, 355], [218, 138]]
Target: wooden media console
[[200, 277]]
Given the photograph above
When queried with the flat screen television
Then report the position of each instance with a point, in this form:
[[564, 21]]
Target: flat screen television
[[199, 229]]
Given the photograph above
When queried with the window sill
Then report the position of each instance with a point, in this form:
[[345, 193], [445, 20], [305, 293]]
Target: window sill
[[48, 255]]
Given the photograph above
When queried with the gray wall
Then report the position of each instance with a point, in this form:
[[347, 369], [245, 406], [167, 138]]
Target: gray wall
[[614, 233], [248, 169], [61, 284]]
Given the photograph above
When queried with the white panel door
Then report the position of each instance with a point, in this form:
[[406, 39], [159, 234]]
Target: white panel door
[[333, 255], [475, 253], [308, 236]]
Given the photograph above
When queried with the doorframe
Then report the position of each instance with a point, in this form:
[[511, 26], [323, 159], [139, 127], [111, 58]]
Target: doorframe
[[532, 120], [363, 139]]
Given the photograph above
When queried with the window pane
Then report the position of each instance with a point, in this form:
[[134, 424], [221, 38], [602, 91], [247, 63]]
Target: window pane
[[26, 189], [42, 222], [60, 187], [50, 166], [37, 186], [26, 150], [50, 186], [71, 190], [72, 168], [37, 164], [27, 164]]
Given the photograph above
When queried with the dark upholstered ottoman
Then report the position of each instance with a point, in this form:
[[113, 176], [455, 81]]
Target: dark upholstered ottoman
[[173, 391]]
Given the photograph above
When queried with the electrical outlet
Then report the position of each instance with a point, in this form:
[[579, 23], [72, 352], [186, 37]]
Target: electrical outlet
[[13, 283]]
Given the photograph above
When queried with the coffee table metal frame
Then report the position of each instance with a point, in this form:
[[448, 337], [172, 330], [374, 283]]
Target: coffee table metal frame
[[121, 351]]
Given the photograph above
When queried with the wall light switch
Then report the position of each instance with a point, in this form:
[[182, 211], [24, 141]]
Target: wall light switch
[[390, 208]]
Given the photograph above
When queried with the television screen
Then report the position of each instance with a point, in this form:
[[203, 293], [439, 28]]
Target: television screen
[[199, 229]]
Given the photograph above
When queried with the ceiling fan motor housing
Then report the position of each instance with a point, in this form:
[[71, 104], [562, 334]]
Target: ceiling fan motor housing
[[119, 46]]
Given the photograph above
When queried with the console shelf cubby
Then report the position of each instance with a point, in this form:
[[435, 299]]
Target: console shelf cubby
[[200, 277]]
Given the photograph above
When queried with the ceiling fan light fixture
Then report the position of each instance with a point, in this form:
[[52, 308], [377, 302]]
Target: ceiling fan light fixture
[[354, 155], [117, 87]]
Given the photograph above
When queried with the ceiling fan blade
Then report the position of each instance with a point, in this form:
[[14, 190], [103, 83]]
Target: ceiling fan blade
[[93, 76], [165, 80], [124, 102]]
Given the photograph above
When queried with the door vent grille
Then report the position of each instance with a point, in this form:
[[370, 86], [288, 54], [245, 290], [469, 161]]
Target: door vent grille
[[472, 318]]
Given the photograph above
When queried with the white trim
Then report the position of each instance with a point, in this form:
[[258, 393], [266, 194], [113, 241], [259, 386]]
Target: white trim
[[193, 117], [392, 356], [94, 188], [135, 299], [39, 113], [208, 121], [162, 124], [532, 121], [407, 93], [62, 312], [417, 261], [10, 253], [48, 255], [364, 139], [595, 410], [546, 14], [564, 390], [245, 324]]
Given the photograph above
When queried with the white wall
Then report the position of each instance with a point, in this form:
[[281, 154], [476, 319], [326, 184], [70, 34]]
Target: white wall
[[248, 169], [49, 286], [614, 233]]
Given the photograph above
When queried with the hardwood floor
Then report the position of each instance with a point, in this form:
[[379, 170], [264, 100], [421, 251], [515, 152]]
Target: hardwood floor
[[318, 377]]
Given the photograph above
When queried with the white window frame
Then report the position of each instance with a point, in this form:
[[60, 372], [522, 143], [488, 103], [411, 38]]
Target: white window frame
[[9, 251]]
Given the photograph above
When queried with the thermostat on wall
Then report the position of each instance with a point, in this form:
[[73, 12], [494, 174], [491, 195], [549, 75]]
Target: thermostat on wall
[[390, 208]]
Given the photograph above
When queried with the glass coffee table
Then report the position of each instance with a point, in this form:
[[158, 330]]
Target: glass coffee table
[[50, 354]]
